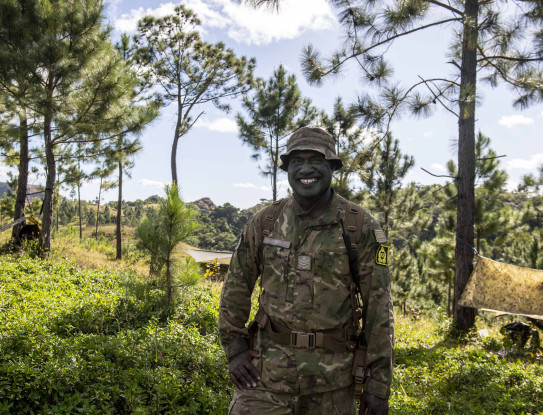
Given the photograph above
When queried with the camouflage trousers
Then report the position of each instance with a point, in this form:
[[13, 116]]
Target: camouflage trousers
[[266, 402]]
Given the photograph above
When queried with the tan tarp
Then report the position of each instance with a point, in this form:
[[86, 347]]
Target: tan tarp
[[201, 255], [506, 288]]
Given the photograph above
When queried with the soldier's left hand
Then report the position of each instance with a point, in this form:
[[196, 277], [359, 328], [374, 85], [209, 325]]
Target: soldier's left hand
[[372, 405]]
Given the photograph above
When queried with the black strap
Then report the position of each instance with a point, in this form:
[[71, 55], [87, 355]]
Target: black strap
[[353, 267]]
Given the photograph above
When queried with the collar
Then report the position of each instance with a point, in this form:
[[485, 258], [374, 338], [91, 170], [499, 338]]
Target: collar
[[328, 216]]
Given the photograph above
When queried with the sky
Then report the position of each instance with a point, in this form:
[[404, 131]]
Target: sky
[[212, 162]]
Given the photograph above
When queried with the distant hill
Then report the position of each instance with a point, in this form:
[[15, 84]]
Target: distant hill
[[32, 191], [3, 188], [204, 204]]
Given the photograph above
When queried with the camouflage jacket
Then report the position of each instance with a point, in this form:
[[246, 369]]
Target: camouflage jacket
[[305, 287]]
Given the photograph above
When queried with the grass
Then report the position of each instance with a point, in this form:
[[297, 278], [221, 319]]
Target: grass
[[81, 333], [438, 374]]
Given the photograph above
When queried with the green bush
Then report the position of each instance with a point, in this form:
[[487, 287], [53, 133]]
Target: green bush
[[98, 342]]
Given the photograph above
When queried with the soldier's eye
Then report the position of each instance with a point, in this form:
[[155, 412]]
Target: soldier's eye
[[297, 161]]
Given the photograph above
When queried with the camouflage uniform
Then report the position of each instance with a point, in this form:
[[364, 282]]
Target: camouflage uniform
[[305, 288]]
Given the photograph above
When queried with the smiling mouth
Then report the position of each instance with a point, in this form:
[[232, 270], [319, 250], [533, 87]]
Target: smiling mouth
[[308, 181]]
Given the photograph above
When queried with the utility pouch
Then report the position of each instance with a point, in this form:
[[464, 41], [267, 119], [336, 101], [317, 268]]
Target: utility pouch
[[359, 371], [253, 329], [259, 322]]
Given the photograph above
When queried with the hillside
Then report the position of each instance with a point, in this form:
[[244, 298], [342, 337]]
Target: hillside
[[101, 341]]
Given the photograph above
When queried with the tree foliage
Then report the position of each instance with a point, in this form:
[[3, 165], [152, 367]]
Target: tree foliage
[[78, 88], [162, 232], [354, 145], [275, 110], [189, 72]]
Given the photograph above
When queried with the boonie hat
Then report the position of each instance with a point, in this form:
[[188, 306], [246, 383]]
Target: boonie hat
[[315, 139]]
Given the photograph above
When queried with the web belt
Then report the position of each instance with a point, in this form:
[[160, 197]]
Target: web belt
[[333, 340]]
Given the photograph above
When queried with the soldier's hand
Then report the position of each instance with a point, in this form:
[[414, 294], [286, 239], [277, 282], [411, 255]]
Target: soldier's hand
[[242, 372], [372, 405]]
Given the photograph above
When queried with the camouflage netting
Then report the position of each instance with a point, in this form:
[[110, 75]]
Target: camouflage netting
[[496, 286]]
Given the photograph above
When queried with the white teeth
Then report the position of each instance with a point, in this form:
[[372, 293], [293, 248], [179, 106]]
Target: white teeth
[[308, 181]]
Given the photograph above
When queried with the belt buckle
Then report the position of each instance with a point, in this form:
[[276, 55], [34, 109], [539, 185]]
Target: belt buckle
[[302, 340]]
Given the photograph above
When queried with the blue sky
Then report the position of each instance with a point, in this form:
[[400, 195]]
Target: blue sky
[[213, 163]]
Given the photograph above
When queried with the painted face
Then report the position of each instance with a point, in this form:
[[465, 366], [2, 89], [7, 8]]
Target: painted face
[[309, 174]]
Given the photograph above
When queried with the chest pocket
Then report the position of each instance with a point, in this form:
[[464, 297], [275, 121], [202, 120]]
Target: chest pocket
[[274, 279], [332, 280]]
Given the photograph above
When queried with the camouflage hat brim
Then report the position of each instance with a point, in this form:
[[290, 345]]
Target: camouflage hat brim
[[312, 139]]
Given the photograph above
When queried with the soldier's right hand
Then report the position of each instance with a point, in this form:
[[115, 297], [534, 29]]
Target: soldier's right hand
[[242, 372]]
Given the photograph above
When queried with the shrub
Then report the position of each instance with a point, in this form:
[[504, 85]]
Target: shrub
[[98, 342]]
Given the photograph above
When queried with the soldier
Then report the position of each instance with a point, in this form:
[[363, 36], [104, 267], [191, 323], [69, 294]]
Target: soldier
[[305, 351]]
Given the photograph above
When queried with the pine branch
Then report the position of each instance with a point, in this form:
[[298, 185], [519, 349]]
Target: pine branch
[[335, 67], [436, 175]]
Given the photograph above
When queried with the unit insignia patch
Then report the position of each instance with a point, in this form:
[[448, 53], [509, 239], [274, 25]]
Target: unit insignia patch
[[381, 257]]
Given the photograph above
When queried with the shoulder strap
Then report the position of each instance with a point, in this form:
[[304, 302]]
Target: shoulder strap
[[354, 223], [353, 229], [270, 215]]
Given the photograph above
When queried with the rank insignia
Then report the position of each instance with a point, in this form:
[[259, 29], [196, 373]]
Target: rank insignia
[[380, 236], [304, 262], [381, 257]]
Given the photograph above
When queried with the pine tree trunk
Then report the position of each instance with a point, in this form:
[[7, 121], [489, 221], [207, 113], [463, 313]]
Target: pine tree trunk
[[79, 211], [23, 174], [449, 297], [98, 208], [47, 219], [175, 143], [275, 161], [464, 317], [58, 197], [119, 212]]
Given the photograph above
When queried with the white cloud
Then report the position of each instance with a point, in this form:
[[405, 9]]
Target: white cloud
[[128, 22], [440, 168], [243, 23], [428, 134], [246, 185], [531, 164], [151, 183], [221, 125], [4, 171], [251, 186], [512, 120], [511, 186], [262, 26]]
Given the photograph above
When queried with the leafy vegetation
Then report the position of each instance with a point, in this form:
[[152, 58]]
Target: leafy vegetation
[[104, 342], [98, 342]]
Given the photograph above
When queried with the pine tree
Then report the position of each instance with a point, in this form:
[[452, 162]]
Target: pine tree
[[383, 178], [78, 88], [161, 232], [488, 42], [125, 147], [15, 86], [189, 71], [493, 220], [275, 110], [354, 145]]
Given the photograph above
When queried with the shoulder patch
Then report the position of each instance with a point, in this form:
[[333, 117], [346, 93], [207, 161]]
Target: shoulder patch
[[381, 256], [380, 236]]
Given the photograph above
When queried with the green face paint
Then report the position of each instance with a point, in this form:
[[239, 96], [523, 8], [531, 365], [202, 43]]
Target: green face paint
[[309, 175]]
